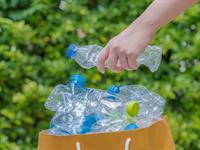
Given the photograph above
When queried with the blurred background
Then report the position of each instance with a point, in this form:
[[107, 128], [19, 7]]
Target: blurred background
[[34, 35]]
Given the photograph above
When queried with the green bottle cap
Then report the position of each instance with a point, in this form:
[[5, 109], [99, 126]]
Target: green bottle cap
[[132, 108]]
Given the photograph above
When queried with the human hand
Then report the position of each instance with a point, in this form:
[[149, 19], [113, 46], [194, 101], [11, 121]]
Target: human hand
[[122, 51]]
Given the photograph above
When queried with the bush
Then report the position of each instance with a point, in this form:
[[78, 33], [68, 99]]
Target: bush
[[34, 36]]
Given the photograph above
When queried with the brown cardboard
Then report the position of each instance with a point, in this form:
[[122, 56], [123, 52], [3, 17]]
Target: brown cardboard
[[156, 137]]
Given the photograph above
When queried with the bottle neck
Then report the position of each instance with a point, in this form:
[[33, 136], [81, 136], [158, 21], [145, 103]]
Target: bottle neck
[[76, 84], [77, 81]]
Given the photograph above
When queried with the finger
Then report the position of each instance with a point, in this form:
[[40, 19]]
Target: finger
[[112, 61], [123, 61], [132, 62], [118, 64], [103, 56]]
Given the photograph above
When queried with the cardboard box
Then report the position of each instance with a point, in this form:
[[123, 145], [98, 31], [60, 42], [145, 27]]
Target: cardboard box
[[156, 137]]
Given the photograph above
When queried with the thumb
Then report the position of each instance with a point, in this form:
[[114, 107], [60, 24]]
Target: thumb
[[103, 56]]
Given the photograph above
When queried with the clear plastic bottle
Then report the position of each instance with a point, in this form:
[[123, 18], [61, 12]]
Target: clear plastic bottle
[[118, 119], [86, 56], [100, 104], [151, 104], [60, 94], [69, 101]]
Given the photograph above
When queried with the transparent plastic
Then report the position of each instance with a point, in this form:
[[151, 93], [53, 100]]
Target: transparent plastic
[[80, 110], [151, 104], [86, 56]]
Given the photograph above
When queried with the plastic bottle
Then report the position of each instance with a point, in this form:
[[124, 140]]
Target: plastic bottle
[[62, 94], [100, 104], [151, 104], [118, 119], [69, 101], [86, 56]]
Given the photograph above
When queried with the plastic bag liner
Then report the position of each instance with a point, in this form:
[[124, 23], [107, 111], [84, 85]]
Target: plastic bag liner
[[155, 137]]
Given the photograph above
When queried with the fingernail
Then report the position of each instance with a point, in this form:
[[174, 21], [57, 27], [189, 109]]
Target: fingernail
[[128, 69], [102, 71]]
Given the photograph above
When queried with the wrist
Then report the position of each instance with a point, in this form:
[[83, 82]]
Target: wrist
[[147, 25]]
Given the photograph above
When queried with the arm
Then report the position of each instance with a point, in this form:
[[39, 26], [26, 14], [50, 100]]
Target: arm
[[121, 51]]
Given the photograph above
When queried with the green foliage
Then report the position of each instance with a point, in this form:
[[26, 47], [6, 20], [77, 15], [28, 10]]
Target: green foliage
[[33, 39]]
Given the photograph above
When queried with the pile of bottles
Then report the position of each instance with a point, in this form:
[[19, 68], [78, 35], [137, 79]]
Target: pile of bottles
[[80, 110]]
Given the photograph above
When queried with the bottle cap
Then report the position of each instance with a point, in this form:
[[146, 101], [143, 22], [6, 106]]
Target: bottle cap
[[113, 89], [78, 80], [89, 121], [92, 119], [132, 108], [131, 126], [71, 51]]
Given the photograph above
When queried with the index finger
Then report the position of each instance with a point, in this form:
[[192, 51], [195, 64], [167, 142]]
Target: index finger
[[103, 56]]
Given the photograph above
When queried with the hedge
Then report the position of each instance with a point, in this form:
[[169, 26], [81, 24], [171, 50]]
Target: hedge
[[34, 35]]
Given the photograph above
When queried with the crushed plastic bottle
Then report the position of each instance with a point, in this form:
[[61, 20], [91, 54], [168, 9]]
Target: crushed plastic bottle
[[61, 94], [86, 56], [151, 104], [100, 105], [69, 101], [119, 119]]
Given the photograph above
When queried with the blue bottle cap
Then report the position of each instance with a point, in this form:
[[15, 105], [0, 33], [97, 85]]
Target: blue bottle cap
[[71, 51], [113, 89], [78, 80], [131, 126], [89, 121]]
